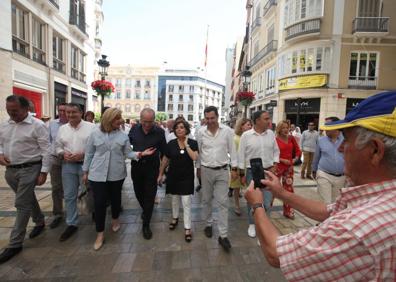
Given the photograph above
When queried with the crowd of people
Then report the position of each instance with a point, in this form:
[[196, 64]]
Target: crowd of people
[[79, 153]]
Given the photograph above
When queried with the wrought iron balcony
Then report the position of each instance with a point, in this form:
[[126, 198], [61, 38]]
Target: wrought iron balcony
[[270, 47], [268, 6], [362, 82], [302, 28], [370, 24]]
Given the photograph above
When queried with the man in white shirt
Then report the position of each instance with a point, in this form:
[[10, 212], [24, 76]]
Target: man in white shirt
[[215, 143], [258, 142], [56, 168], [308, 141], [70, 147], [25, 151]]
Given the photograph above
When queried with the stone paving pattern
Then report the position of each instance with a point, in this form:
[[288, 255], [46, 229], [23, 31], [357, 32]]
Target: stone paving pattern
[[127, 256]]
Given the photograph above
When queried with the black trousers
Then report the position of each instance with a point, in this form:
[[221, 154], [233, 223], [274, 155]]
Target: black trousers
[[104, 192], [144, 177]]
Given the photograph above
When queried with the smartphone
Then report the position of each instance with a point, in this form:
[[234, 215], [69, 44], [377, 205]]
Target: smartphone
[[256, 166]]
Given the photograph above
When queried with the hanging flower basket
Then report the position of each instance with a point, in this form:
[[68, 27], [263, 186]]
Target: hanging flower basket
[[103, 87], [245, 97]]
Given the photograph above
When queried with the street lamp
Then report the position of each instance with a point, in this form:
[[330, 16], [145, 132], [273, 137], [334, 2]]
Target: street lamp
[[298, 111], [103, 66], [246, 75]]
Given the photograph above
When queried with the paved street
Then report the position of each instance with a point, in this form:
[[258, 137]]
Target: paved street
[[126, 256]]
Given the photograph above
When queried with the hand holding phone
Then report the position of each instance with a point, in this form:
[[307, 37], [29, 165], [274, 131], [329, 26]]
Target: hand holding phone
[[256, 166]]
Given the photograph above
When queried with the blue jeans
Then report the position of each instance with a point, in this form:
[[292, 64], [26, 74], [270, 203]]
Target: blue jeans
[[71, 179], [267, 196]]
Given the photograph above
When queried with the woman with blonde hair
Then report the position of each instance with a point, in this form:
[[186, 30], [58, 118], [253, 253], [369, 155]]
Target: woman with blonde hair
[[289, 154], [242, 125], [104, 167]]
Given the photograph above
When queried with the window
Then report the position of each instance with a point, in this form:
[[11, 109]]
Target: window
[[148, 85], [170, 98], [363, 66], [190, 98], [74, 62], [190, 108], [181, 88], [256, 48], [297, 10], [128, 83], [369, 8], [270, 33], [118, 94], [128, 94], [310, 59], [137, 84], [192, 88], [118, 82], [180, 98], [137, 108], [170, 116], [170, 107], [20, 31], [294, 62], [146, 95], [82, 59], [170, 88], [180, 107], [137, 94], [270, 80], [38, 41], [128, 108], [58, 47], [190, 117]]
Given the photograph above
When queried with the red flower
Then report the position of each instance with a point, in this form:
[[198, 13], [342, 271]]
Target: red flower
[[245, 97], [102, 87]]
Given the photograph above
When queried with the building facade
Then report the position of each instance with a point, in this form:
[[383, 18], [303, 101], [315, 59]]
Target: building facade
[[186, 93], [135, 89], [313, 58], [45, 52]]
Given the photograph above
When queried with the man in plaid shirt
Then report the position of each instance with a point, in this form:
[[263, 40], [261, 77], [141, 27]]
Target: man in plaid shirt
[[356, 239]]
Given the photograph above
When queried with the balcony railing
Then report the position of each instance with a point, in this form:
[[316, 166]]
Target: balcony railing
[[58, 65], [38, 56], [370, 24], [55, 3], [20, 46], [256, 23], [362, 82], [301, 28], [268, 6], [270, 47]]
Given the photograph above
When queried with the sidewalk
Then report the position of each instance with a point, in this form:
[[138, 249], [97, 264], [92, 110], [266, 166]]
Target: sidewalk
[[127, 256]]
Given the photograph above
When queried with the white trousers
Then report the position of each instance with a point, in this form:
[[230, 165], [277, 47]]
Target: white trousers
[[329, 186], [186, 202]]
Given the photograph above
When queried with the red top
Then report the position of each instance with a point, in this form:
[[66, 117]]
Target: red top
[[286, 149]]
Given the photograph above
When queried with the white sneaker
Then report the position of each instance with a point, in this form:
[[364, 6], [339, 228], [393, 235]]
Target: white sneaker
[[252, 230], [258, 242]]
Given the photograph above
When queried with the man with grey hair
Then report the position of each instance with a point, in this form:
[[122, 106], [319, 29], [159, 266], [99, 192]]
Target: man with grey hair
[[25, 151], [356, 237], [145, 171]]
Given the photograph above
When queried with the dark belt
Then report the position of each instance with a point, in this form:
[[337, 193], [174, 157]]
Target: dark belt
[[334, 174], [25, 165], [79, 163], [217, 167]]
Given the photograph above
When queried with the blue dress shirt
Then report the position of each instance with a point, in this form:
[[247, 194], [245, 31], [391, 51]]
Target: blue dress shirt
[[327, 158]]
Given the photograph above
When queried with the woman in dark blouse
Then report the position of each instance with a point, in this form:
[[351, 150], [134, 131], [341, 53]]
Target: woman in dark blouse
[[180, 156]]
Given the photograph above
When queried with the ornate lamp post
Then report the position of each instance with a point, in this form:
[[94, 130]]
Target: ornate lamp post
[[246, 76], [103, 66]]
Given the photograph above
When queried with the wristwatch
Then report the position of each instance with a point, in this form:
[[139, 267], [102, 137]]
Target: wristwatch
[[257, 206]]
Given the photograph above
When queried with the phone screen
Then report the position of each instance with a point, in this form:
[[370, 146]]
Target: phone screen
[[256, 166]]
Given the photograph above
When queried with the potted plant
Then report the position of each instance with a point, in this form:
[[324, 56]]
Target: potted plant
[[245, 98], [102, 88]]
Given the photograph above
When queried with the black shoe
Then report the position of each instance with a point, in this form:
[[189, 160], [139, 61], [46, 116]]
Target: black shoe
[[230, 192], [55, 223], [198, 188], [69, 231], [36, 231], [225, 243], [147, 233], [8, 253], [208, 231]]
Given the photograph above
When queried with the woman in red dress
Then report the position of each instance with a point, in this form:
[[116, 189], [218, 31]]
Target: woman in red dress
[[289, 154]]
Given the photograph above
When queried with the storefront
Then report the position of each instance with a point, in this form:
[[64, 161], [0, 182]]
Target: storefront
[[60, 95], [305, 110], [80, 98], [34, 97]]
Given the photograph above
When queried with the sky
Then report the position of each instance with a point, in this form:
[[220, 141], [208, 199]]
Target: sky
[[150, 32]]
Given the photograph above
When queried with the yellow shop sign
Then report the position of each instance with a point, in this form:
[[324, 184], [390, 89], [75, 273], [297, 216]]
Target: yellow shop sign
[[307, 81]]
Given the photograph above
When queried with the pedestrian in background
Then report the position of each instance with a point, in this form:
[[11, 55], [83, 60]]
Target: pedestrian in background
[[104, 166], [308, 146], [145, 171], [89, 116], [328, 164], [289, 155], [242, 125], [180, 155], [70, 148], [258, 142], [56, 168], [216, 149], [25, 151]]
